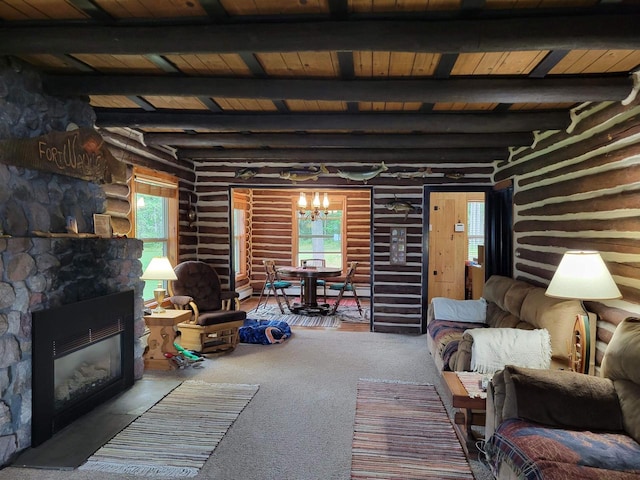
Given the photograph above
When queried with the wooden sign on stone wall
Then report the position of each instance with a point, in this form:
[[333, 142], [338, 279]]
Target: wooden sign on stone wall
[[79, 153]]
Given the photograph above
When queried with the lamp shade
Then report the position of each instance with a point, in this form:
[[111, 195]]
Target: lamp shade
[[583, 275], [159, 269]]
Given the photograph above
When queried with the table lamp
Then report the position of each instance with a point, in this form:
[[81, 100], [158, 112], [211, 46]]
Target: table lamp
[[160, 269], [582, 275]]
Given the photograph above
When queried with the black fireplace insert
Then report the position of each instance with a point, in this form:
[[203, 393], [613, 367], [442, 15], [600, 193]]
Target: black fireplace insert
[[82, 356]]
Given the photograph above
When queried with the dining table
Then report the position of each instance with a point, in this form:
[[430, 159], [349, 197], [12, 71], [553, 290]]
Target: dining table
[[309, 279]]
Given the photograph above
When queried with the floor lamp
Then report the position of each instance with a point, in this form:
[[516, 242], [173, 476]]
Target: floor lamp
[[582, 275]]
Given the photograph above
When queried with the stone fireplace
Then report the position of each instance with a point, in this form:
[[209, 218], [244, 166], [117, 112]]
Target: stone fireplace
[[41, 272]]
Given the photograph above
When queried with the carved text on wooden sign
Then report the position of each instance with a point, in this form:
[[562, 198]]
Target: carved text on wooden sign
[[79, 153]]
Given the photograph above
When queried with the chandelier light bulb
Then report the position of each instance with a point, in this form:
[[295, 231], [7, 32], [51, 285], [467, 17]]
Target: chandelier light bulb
[[302, 200], [316, 201], [325, 201]]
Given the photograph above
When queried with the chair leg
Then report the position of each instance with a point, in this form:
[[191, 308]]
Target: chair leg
[[335, 305], [286, 299], [355, 295], [261, 294], [277, 297]]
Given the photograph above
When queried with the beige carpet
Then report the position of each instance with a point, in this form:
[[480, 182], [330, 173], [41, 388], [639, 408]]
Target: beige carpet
[[176, 436], [299, 426]]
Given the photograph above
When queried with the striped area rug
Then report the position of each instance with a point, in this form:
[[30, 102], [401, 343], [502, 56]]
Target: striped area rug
[[347, 312], [176, 436], [402, 431]]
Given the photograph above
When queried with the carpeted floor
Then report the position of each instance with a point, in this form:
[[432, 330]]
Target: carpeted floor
[[299, 425], [186, 426], [402, 431]]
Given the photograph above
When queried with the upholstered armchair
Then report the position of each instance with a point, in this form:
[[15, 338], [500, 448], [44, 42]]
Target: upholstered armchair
[[542, 422], [214, 325]]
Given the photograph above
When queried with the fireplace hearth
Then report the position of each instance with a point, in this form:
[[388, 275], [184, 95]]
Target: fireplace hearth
[[83, 354]]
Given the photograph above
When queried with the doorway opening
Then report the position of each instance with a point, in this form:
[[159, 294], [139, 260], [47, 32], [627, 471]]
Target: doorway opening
[[456, 239], [268, 224]]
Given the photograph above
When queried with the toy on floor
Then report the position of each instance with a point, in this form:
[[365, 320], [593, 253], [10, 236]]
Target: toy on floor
[[264, 332], [188, 354], [181, 362]]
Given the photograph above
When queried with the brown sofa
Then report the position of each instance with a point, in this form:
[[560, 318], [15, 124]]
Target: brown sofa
[[566, 425], [510, 304]]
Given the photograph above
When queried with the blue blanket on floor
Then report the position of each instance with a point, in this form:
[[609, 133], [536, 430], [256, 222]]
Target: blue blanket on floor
[[264, 332]]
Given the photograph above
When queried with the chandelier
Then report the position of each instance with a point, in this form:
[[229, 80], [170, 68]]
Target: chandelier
[[314, 213]]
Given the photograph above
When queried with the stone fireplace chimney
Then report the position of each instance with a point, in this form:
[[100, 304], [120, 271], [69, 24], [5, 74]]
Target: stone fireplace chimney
[[39, 273]]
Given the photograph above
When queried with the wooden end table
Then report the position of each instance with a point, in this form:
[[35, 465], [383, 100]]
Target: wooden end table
[[472, 411], [161, 337]]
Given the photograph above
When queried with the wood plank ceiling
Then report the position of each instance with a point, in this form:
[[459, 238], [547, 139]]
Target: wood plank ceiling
[[341, 80]]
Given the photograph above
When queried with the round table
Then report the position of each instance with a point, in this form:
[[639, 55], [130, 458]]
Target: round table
[[310, 275]]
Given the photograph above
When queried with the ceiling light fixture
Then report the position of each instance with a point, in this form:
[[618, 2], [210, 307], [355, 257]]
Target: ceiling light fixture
[[314, 213]]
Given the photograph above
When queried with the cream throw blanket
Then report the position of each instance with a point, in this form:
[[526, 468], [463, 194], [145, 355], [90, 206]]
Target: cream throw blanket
[[493, 348]]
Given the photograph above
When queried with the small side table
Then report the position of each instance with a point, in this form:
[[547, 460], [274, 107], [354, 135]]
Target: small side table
[[472, 410], [161, 337]]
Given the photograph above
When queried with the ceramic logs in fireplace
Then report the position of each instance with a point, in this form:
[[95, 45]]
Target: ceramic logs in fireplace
[[82, 356]]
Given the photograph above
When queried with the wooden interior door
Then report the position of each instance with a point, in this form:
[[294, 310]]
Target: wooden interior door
[[447, 247]]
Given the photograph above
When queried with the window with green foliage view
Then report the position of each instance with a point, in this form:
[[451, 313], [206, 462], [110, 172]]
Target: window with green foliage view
[[156, 210], [322, 239]]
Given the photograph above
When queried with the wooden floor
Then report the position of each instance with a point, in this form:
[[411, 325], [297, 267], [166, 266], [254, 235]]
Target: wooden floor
[[251, 303]]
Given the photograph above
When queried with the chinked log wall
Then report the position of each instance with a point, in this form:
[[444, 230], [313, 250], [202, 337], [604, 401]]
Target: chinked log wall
[[580, 190], [397, 289], [131, 151], [273, 224]]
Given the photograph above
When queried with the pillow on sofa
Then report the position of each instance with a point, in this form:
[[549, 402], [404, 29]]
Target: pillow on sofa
[[474, 311], [561, 399]]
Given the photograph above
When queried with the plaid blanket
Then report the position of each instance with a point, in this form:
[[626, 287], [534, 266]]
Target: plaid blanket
[[537, 452]]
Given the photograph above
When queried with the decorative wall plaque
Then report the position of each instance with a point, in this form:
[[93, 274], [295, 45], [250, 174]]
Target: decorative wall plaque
[[398, 246], [80, 153]]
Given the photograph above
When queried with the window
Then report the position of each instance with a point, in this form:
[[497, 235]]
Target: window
[[240, 214], [475, 219], [155, 218], [321, 238]]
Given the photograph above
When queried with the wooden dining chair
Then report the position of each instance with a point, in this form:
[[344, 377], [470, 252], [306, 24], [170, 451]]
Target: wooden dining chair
[[273, 284], [314, 262], [346, 285]]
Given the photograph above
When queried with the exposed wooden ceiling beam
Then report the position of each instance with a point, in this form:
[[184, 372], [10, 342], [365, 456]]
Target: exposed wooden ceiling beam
[[602, 31], [482, 90], [329, 140], [472, 122], [373, 155]]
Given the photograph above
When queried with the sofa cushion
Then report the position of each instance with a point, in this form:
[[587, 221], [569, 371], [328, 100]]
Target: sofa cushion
[[507, 293], [557, 316], [562, 398], [536, 452], [621, 363]]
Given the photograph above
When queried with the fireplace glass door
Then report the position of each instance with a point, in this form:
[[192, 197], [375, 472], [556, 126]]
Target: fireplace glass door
[[82, 372]]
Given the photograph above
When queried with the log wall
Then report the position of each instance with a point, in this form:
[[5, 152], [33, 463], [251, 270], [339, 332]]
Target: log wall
[[129, 149], [398, 291], [579, 189], [272, 228]]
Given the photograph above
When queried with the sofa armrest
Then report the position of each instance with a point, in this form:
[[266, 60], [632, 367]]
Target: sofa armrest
[[560, 398], [463, 355]]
